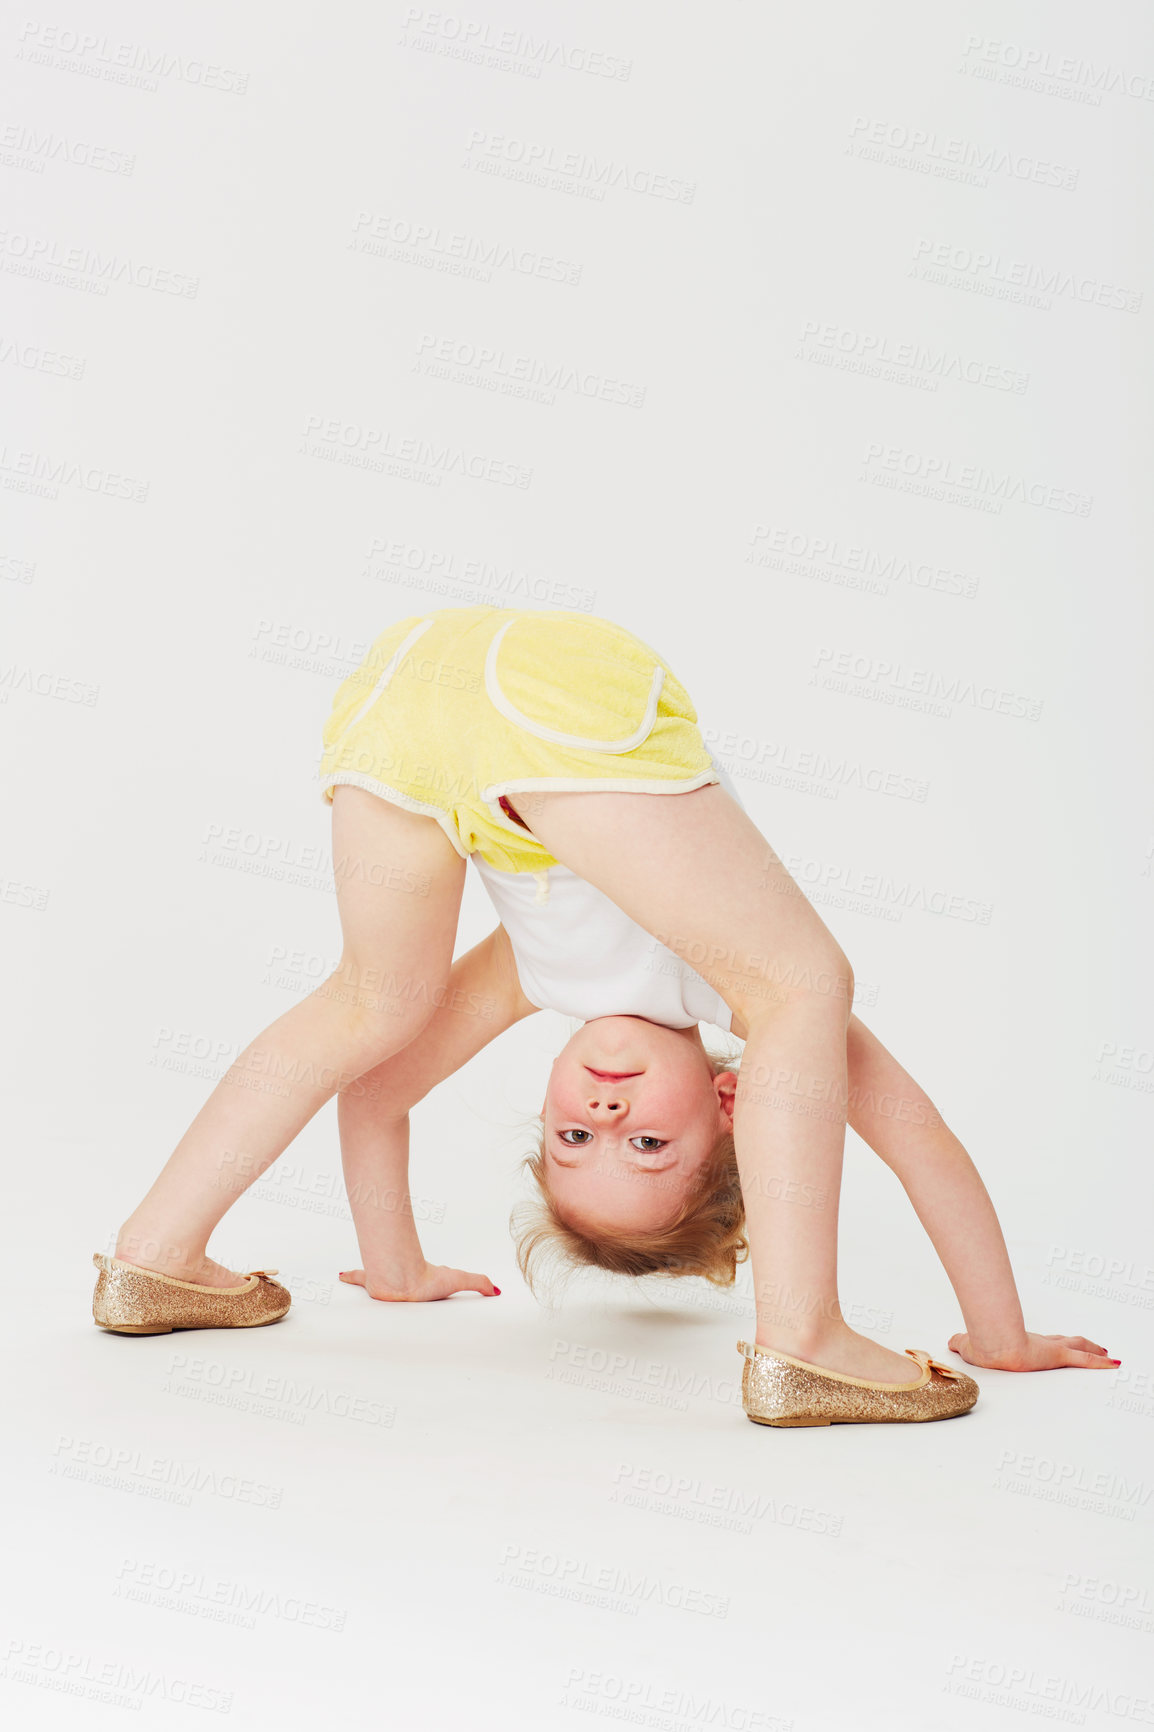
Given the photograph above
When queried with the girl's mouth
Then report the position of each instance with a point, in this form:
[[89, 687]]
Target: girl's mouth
[[611, 1075]]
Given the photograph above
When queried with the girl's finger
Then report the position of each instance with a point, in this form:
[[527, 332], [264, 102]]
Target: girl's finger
[[470, 1283], [355, 1277], [1090, 1361], [1078, 1341]]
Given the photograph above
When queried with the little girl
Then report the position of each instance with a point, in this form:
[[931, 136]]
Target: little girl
[[562, 755]]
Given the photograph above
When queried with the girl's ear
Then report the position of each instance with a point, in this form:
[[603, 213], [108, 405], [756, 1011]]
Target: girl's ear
[[726, 1086]]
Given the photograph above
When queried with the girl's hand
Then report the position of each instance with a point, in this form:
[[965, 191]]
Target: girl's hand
[[1037, 1353], [432, 1281]]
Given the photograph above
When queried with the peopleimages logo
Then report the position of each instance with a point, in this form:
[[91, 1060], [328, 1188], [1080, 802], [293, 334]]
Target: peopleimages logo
[[402, 241], [121, 62], [664, 1706], [793, 766], [860, 674], [497, 369], [996, 487], [33, 255], [575, 1578], [650, 1380], [235, 1383], [1106, 1601], [161, 1476], [377, 448], [1047, 1694], [478, 40], [219, 1598], [573, 168], [441, 570], [1069, 1482], [929, 152], [700, 1501], [1010, 278], [118, 1683], [1022, 63], [850, 565], [1108, 1275], [878, 355]]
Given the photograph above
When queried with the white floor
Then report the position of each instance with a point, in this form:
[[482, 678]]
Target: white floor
[[491, 1514]]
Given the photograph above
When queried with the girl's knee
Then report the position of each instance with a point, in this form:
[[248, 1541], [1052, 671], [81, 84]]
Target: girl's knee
[[829, 976], [820, 979], [845, 976], [384, 1009]]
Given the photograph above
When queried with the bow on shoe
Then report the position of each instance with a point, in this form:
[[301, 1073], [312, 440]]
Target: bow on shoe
[[923, 1358], [269, 1272]]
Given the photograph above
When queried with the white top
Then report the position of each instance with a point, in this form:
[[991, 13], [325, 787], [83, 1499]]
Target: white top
[[578, 953]]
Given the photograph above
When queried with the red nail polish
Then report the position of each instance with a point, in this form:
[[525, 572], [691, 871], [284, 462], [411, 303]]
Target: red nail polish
[[1115, 1362], [496, 1292]]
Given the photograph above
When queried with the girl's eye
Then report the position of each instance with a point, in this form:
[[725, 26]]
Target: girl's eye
[[577, 1139]]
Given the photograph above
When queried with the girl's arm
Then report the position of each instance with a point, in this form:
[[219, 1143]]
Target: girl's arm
[[482, 999], [901, 1124]]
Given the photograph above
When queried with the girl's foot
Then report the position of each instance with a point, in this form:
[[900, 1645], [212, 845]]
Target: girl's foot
[[843, 1349], [205, 1272], [128, 1300]]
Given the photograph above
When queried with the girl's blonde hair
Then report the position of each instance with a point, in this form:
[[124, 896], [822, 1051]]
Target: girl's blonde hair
[[706, 1237]]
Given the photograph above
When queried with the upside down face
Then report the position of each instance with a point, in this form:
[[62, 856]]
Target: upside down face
[[632, 1112]]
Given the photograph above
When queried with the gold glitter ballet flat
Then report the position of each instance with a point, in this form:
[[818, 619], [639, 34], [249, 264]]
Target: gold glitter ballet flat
[[779, 1390], [132, 1301]]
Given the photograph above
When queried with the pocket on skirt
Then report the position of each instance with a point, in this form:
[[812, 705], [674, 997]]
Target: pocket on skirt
[[575, 680], [357, 694]]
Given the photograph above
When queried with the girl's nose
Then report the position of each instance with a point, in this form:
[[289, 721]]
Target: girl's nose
[[610, 1104]]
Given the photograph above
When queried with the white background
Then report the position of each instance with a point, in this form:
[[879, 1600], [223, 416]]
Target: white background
[[847, 314]]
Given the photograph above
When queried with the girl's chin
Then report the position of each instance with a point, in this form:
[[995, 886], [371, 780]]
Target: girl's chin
[[601, 1022]]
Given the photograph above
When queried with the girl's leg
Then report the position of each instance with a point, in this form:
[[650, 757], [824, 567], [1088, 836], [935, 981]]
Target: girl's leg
[[693, 870], [399, 886]]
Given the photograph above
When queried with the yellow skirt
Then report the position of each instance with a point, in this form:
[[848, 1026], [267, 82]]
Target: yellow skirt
[[454, 709]]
